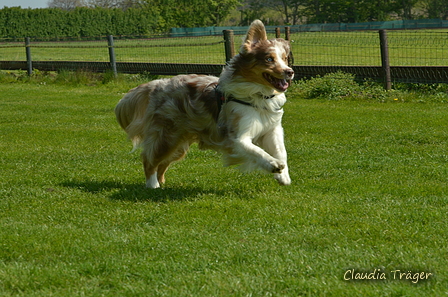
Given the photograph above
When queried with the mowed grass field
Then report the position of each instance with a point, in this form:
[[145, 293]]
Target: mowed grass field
[[369, 195], [359, 48]]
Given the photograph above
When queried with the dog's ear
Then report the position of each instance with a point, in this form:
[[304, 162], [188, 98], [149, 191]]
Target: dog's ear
[[255, 34]]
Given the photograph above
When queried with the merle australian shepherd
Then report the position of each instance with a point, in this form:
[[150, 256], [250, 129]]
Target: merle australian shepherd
[[238, 114]]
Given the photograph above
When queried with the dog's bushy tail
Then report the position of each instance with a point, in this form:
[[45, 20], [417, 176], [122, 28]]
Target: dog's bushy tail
[[130, 113]]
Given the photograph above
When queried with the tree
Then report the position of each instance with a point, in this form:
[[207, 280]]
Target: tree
[[436, 9], [72, 4], [349, 11], [104, 3], [406, 9], [123, 4], [292, 10], [66, 4], [251, 10], [192, 13], [368, 10], [126, 4]]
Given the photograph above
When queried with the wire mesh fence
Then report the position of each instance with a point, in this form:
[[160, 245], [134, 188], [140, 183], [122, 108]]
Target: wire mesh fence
[[12, 50], [361, 48], [314, 53], [55, 50], [203, 50], [418, 48], [157, 55], [336, 48], [418, 56]]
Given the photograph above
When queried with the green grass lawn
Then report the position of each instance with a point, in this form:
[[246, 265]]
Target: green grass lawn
[[369, 192]]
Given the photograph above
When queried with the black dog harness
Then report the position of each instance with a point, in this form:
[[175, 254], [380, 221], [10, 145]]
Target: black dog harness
[[221, 99]]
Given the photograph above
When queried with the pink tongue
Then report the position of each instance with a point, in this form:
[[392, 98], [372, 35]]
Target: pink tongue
[[281, 84]]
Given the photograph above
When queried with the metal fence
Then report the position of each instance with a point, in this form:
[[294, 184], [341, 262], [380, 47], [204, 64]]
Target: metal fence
[[419, 56], [385, 25], [361, 48]]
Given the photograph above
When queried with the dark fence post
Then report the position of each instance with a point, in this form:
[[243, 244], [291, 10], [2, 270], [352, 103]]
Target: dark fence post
[[288, 38], [277, 32], [385, 60], [288, 33], [29, 61], [229, 44], [113, 61]]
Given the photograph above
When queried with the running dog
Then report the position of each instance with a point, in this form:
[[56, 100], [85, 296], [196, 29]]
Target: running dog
[[238, 114]]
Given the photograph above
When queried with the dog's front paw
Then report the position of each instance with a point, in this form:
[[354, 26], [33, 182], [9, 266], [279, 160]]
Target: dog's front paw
[[283, 178], [277, 166]]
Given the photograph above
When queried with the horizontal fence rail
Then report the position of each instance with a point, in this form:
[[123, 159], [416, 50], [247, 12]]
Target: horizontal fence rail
[[122, 67], [419, 56], [385, 25]]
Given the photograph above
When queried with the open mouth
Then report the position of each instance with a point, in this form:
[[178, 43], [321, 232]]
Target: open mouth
[[279, 84]]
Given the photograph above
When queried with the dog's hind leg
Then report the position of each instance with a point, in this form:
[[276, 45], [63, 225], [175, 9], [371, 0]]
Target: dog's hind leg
[[156, 149], [175, 156], [154, 153], [158, 154], [150, 173], [152, 182]]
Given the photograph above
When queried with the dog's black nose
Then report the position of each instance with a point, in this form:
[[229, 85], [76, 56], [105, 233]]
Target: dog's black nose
[[289, 72]]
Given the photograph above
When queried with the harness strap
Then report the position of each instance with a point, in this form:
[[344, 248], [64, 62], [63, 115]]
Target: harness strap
[[231, 98], [221, 99]]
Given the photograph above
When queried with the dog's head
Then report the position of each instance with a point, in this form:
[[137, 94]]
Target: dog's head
[[265, 61]]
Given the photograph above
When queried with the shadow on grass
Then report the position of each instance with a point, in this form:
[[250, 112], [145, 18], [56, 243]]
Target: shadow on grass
[[138, 192]]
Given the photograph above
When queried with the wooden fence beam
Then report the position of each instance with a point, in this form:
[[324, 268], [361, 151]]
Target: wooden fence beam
[[288, 33], [29, 61], [229, 44], [278, 32], [113, 61], [385, 60]]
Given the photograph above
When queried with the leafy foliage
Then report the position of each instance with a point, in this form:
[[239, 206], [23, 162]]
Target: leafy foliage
[[80, 22], [338, 86], [152, 17], [329, 11], [344, 86], [192, 13]]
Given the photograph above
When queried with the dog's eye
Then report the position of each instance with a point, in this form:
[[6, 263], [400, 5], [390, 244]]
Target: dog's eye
[[270, 59]]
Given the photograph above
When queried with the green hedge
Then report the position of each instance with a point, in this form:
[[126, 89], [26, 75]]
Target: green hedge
[[16, 22]]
